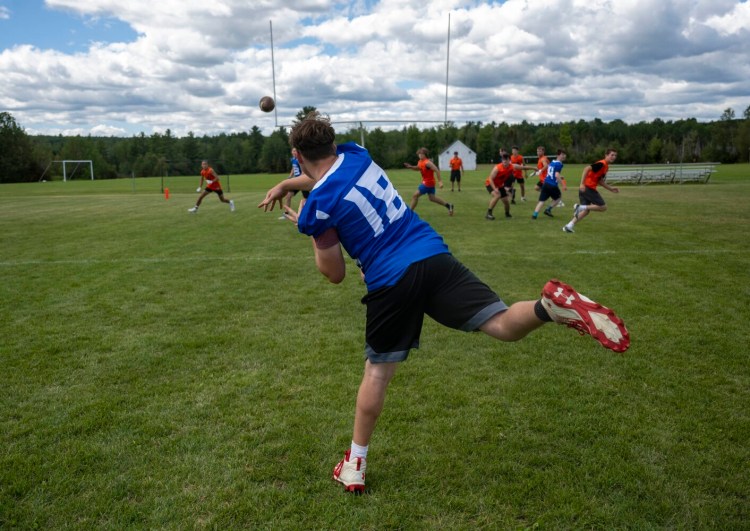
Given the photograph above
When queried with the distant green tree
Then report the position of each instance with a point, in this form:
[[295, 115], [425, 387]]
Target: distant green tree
[[274, 157], [377, 146], [307, 109], [654, 150], [566, 136], [18, 161]]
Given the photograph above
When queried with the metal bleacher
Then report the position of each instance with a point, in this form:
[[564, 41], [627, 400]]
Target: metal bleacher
[[661, 173]]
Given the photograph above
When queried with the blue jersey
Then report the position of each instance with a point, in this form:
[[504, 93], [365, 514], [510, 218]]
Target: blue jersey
[[555, 167], [373, 223], [296, 169]]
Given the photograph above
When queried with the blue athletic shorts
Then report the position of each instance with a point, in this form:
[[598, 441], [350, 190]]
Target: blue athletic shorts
[[426, 190]]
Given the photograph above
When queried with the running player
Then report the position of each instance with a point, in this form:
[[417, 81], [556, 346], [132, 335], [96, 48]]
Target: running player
[[429, 172], [590, 199], [213, 185]]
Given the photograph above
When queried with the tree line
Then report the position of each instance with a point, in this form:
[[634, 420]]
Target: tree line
[[27, 158]]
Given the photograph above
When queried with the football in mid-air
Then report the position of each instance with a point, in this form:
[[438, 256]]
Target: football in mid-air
[[266, 104]]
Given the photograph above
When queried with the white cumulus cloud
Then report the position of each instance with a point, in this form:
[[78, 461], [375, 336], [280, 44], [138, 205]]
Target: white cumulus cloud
[[202, 66]]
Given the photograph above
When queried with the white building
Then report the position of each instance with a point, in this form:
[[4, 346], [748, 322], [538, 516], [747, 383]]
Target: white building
[[468, 157]]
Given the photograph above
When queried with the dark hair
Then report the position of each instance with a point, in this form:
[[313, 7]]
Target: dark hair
[[313, 137], [561, 151]]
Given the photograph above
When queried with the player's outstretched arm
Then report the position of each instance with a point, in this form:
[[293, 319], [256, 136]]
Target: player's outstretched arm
[[278, 192]]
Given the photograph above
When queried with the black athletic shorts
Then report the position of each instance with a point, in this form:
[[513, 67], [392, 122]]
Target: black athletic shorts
[[503, 191], [549, 190], [218, 192], [455, 175], [439, 286], [590, 197]]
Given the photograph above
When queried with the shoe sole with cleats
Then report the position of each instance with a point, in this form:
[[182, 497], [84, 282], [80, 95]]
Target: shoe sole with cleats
[[566, 306]]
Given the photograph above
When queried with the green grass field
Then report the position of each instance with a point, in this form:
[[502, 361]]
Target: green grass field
[[166, 370]]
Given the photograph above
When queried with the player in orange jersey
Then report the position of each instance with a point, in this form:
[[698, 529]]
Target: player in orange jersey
[[498, 184], [541, 168], [590, 200], [517, 158], [457, 170], [429, 172], [209, 176]]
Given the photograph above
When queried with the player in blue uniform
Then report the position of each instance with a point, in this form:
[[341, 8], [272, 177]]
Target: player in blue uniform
[[409, 272], [296, 171], [551, 185]]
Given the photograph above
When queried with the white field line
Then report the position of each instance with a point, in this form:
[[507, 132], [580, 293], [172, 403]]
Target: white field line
[[242, 258]]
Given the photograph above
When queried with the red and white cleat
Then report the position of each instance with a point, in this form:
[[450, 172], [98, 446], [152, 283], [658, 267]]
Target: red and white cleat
[[566, 306], [351, 473]]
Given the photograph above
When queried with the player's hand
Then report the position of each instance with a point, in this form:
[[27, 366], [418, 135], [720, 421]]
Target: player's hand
[[277, 193], [198, 190], [290, 214], [441, 185]]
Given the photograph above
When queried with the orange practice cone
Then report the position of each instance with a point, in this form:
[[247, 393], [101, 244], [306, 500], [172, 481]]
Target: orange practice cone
[[166, 193]]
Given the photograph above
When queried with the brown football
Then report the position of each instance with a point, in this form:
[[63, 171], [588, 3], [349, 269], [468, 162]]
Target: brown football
[[266, 104]]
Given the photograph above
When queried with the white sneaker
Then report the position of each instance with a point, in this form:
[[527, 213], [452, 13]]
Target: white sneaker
[[566, 306], [193, 210], [560, 204], [231, 205], [523, 199], [568, 228], [351, 473]]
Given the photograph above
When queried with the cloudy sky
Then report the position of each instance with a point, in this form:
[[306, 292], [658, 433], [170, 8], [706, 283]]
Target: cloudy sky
[[121, 67]]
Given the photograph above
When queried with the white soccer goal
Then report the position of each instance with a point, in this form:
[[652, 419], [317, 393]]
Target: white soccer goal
[[66, 164]]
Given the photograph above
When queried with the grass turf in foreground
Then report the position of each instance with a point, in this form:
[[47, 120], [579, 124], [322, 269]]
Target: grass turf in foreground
[[167, 370]]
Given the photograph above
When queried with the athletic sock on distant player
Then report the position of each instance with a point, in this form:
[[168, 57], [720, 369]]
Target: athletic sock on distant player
[[358, 451], [541, 313], [489, 211]]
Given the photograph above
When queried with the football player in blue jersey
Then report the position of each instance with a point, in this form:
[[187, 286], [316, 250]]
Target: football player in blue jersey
[[409, 273], [551, 185]]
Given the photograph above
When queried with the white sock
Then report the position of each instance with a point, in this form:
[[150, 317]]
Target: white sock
[[358, 451]]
